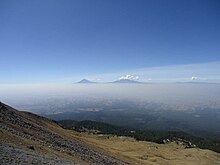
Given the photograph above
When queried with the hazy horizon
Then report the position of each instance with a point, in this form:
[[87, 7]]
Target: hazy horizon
[[173, 96]]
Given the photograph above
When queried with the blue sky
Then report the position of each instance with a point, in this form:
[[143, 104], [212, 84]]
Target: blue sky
[[63, 41]]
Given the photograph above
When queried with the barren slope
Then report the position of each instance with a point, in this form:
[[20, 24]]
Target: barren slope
[[30, 139]]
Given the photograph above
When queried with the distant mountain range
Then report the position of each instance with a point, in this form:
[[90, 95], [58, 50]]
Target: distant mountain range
[[122, 81], [129, 81]]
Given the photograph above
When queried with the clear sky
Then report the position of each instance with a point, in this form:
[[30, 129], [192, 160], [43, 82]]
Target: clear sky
[[66, 40]]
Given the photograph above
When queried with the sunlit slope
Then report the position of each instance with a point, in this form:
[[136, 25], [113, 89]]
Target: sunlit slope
[[153, 154]]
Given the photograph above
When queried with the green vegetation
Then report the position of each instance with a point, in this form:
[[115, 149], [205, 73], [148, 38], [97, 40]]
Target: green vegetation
[[140, 135]]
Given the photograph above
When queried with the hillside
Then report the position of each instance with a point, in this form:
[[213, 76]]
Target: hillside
[[26, 138], [30, 139], [160, 137]]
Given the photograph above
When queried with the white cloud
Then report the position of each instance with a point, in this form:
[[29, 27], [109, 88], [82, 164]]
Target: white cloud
[[129, 77], [194, 78]]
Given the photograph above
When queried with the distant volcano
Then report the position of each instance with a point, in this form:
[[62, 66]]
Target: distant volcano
[[85, 81], [127, 81]]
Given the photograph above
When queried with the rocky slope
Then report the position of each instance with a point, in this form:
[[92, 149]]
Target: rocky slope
[[30, 139]]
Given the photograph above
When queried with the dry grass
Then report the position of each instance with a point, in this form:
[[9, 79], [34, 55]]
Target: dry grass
[[148, 153]]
